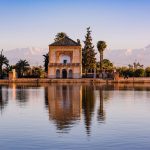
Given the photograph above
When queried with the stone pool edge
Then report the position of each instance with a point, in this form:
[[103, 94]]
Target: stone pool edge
[[83, 80]]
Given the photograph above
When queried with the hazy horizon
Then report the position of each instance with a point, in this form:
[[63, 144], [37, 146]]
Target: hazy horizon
[[119, 57]]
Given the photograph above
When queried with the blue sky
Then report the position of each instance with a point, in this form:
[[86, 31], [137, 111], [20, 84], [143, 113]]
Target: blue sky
[[121, 23]]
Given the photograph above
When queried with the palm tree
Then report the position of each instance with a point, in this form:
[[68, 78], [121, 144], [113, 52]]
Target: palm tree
[[21, 67], [46, 61], [101, 45], [60, 36], [3, 61]]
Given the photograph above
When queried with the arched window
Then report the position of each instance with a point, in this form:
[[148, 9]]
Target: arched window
[[57, 73], [70, 75]]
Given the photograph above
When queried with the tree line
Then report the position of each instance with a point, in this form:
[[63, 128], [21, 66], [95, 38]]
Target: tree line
[[134, 72], [22, 68]]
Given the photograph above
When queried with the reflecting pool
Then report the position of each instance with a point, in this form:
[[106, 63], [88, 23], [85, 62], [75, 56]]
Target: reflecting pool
[[75, 116]]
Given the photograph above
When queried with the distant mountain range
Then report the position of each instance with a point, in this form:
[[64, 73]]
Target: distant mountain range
[[120, 57], [33, 55], [124, 57]]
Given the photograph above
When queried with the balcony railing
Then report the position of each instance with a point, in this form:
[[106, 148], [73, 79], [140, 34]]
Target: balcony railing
[[63, 64]]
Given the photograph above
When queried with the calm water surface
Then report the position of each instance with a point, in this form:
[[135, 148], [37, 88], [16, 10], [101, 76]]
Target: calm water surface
[[72, 116]]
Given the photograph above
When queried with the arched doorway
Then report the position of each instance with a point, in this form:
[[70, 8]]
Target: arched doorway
[[64, 73], [57, 73], [70, 74]]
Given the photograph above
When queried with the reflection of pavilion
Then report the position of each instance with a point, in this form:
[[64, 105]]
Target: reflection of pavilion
[[64, 104]]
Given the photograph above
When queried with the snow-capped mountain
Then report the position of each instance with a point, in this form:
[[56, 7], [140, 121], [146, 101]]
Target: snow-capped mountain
[[33, 55], [128, 56]]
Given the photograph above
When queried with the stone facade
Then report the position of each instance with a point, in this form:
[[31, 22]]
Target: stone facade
[[65, 59]]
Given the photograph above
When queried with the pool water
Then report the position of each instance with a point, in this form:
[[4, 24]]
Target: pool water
[[75, 116]]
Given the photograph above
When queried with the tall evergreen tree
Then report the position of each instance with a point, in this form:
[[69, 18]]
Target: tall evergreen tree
[[88, 53]]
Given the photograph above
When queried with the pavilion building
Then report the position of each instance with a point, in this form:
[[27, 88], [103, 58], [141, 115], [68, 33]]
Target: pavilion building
[[65, 59]]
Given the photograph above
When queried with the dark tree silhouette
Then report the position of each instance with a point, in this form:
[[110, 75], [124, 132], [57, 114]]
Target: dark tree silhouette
[[22, 67], [88, 104], [46, 61], [3, 61], [60, 36]]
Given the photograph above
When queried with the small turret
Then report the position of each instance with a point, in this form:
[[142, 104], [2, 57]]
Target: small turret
[[78, 41]]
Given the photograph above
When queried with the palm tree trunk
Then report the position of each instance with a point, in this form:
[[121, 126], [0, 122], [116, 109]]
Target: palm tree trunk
[[101, 62]]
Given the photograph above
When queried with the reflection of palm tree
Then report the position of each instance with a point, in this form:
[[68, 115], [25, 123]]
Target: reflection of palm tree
[[88, 105], [22, 95], [101, 114], [3, 98], [46, 97]]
